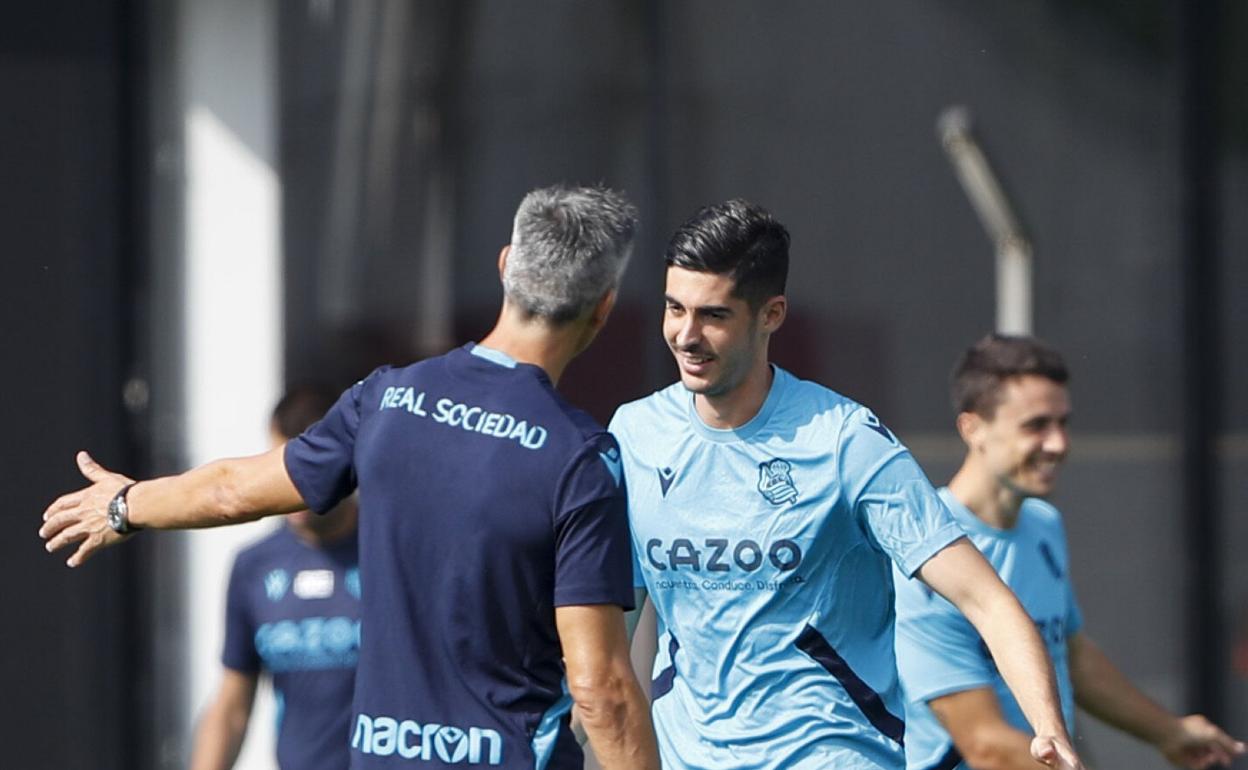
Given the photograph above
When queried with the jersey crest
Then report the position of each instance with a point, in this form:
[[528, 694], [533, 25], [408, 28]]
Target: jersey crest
[[775, 482]]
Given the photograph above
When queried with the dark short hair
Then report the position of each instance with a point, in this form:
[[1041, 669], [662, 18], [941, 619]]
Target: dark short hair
[[739, 239], [985, 367], [300, 407]]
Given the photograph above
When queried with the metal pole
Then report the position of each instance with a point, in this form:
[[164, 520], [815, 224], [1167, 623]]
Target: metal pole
[[1013, 250], [1202, 385]]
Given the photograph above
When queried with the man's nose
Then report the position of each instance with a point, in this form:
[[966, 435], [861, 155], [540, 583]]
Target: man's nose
[[1057, 441], [690, 332]]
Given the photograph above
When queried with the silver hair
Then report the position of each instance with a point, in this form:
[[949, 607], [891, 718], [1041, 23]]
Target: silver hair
[[569, 247]]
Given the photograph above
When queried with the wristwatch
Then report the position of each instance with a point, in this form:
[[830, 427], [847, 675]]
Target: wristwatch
[[119, 513]]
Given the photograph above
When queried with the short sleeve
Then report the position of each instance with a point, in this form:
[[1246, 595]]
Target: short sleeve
[[938, 651], [321, 460], [618, 428], [1074, 616], [239, 652], [593, 548], [891, 495]]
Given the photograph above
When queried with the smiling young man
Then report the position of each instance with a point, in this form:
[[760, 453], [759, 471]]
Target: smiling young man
[[1013, 406], [765, 511]]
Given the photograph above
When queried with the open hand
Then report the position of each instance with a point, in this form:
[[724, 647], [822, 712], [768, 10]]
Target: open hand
[[1197, 743], [81, 517]]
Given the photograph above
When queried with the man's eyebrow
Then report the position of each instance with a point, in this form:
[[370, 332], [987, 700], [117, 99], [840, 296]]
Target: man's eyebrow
[[700, 309]]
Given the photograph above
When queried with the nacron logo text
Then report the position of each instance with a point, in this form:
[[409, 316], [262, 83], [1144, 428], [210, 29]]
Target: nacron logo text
[[385, 736]]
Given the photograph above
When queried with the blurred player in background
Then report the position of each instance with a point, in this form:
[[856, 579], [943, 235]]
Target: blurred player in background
[[494, 545], [292, 612], [765, 512], [1010, 395]]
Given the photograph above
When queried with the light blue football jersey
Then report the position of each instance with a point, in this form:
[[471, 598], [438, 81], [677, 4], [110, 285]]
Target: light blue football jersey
[[938, 652], [766, 552]]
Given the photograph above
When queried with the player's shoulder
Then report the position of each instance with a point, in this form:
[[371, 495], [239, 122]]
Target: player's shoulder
[[1040, 514], [821, 411], [662, 407], [392, 374], [579, 427], [369, 387], [424, 370], [813, 398]]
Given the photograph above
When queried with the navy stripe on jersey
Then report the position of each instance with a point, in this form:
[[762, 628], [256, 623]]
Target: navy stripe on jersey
[[868, 700], [950, 761], [663, 683]]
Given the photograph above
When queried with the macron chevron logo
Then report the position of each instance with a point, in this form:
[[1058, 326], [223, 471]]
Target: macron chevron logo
[[666, 477], [611, 458], [874, 424]]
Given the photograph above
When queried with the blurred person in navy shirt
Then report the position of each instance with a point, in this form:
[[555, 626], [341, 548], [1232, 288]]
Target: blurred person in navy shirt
[[292, 613]]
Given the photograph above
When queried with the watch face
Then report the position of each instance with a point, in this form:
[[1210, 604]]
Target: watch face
[[116, 514]]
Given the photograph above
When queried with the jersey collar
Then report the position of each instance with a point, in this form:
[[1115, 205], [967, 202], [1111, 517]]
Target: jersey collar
[[779, 382], [972, 523]]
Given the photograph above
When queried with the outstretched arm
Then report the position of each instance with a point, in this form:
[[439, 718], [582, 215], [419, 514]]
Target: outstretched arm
[[960, 573], [1103, 691], [609, 701], [212, 495], [223, 726], [985, 740]]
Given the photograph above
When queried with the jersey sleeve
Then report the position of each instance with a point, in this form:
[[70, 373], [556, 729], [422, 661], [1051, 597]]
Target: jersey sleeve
[[1074, 616], [938, 650], [619, 430], [239, 652], [593, 548], [321, 460], [890, 493]]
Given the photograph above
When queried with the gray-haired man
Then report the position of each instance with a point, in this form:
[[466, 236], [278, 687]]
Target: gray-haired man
[[494, 548]]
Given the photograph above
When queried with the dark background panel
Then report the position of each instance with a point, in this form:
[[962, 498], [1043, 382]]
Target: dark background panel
[[63, 313]]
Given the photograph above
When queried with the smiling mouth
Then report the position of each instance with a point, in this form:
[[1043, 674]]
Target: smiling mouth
[[694, 362], [1047, 467]]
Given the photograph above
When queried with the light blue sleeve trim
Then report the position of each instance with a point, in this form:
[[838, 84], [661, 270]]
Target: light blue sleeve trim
[[547, 732]]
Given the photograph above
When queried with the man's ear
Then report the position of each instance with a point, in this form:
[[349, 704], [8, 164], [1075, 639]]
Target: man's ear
[[773, 313], [970, 425], [502, 259], [598, 317]]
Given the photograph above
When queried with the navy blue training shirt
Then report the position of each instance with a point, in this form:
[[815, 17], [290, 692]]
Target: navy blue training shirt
[[293, 610], [485, 502]]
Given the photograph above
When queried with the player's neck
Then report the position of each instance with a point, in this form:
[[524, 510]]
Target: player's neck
[[992, 502], [740, 405], [531, 341]]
